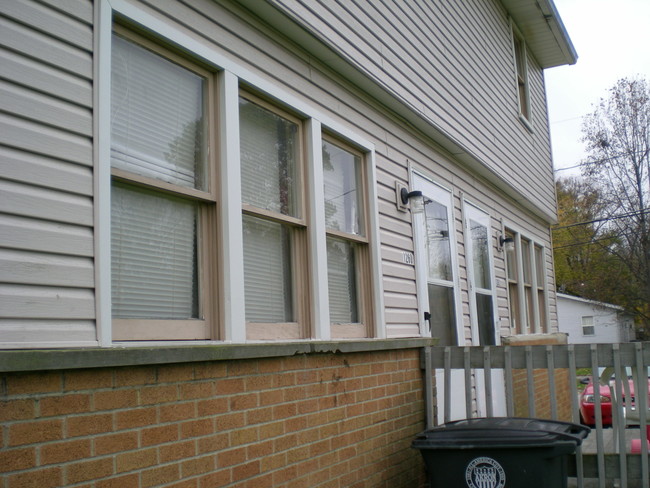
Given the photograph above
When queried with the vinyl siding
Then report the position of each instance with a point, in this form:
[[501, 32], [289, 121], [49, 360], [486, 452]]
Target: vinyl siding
[[452, 63], [46, 174], [443, 67]]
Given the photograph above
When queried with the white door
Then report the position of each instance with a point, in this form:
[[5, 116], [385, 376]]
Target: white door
[[478, 242], [438, 284]]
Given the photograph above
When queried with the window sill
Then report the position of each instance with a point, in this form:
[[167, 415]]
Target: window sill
[[58, 359], [526, 123]]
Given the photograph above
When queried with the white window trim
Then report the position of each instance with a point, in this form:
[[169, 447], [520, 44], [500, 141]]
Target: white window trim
[[445, 197], [536, 327], [471, 210], [231, 74], [516, 34]]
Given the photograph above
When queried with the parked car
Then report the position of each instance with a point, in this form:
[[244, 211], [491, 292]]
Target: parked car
[[588, 404]]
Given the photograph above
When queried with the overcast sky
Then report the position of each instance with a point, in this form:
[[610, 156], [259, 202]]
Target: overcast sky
[[612, 38]]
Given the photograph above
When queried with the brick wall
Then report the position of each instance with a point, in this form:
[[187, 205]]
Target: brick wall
[[318, 420], [541, 383]]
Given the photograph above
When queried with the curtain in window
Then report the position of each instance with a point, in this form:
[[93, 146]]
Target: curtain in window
[[157, 120], [267, 271], [154, 255], [342, 281]]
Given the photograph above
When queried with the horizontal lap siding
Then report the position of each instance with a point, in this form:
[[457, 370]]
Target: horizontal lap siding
[[452, 62], [46, 173], [47, 164]]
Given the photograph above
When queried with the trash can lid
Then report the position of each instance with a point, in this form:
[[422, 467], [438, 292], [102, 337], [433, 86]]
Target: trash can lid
[[501, 432]]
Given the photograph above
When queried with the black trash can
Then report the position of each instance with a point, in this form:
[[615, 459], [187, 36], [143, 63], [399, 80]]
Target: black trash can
[[499, 453]]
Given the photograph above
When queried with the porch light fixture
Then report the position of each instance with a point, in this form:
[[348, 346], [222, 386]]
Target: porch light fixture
[[506, 243], [405, 199]]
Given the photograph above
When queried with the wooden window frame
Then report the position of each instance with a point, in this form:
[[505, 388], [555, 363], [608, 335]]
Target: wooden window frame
[[204, 327], [529, 302], [226, 254], [361, 244], [301, 327]]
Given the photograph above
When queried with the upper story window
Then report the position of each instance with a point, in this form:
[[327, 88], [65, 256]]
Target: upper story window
[[162, 199], [525, 265], [521, 71]]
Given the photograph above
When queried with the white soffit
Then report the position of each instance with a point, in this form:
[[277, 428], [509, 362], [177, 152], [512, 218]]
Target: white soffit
[[543, 30]]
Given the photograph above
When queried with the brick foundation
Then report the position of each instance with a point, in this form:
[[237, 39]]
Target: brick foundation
[[315, 420]]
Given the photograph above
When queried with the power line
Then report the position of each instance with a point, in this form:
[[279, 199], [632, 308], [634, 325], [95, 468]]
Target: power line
[[636, 213], [599, 161]]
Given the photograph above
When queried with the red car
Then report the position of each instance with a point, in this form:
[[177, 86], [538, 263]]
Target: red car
[[588, 403]]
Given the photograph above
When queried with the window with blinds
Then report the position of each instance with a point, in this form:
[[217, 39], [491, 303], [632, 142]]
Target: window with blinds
[[160, 199], [274, 228], [347, 253], [165, 231]]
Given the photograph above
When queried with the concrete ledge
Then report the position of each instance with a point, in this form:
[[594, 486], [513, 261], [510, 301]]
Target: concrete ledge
[[57, 359]]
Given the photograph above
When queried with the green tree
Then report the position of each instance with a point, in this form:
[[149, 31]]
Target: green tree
[[584, 265]]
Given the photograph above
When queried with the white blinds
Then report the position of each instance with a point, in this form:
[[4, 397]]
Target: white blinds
[[268, 159], [157, 120], [154, 255], [267, 271], [342, 281]]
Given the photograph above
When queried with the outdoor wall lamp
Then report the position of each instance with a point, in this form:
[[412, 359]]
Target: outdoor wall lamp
[[507, 243], [405, 199]]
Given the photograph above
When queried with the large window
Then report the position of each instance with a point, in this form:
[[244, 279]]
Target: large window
[[231, 215], [162, 200], [347, 242], [526, 264], [273, 222]]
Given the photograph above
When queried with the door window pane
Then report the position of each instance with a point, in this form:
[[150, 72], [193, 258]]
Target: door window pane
[[437, 242], [441, 308], [154, 255], [157, 117], [267, 271], [342, 281], [480, 256], [485, 319], [269, 153]]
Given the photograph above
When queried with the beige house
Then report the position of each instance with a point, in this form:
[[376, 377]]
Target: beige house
[[209, 275]]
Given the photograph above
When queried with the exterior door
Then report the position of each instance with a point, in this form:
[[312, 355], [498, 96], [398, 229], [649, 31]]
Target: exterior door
[[438, 282], [478, 242]]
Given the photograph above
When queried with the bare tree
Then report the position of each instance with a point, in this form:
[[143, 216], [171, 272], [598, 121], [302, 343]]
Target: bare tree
[[617, 138]]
